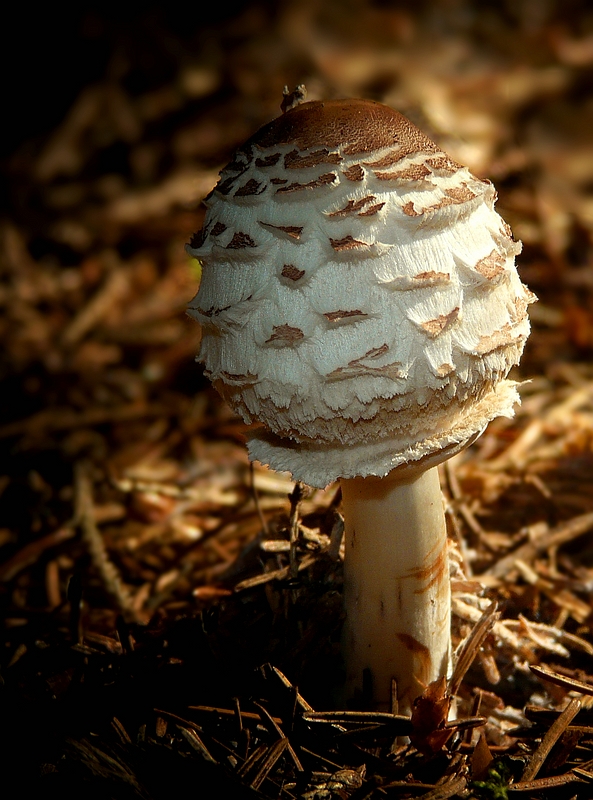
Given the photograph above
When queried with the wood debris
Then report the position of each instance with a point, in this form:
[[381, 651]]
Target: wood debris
[[171, 615]]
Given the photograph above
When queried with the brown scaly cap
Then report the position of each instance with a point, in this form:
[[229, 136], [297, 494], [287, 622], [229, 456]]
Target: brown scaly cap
[[356, 126], [359, 296]]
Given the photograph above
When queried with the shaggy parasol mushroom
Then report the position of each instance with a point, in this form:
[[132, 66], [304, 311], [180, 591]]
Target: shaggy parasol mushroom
[[359, 298]]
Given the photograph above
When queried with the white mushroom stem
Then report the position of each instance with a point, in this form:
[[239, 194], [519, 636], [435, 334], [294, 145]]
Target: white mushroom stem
[[396, 586]]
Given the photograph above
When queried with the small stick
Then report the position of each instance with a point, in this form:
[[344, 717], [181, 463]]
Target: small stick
[[275, 575], [194, 740], [450, 789], [120, 731], [254, 494], [477, 702], [268, 762], [336, 537], [234, 712], [295, 501], [470, 520], [253, 758], [302, 703], [265, 715], [544, 783], [555, 731], [360, 718], [112, 291], [570, 684], [91, 535], [565, 532], [32, 552], [63, 419], [472, 645], [52, 584]]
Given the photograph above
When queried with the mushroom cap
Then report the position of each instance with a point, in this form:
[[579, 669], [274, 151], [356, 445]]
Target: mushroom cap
[[359, 295]]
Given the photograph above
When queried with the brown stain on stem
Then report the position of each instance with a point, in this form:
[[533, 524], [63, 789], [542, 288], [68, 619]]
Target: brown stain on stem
[[421, 653], [433, 573]]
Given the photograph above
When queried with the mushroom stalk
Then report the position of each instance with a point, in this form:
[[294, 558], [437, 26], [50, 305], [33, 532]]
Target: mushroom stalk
[[396, 586]]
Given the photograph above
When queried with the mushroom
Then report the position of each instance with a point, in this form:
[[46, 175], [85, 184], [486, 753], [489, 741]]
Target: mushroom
[[359, 298]]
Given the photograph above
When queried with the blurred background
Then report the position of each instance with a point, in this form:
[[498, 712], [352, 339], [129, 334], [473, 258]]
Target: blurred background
[[124, 485]]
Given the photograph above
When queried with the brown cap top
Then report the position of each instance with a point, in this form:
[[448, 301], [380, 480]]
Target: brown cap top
[[356, 126]]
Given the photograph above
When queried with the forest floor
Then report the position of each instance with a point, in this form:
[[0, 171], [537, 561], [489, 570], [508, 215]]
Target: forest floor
[[155, 637]]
